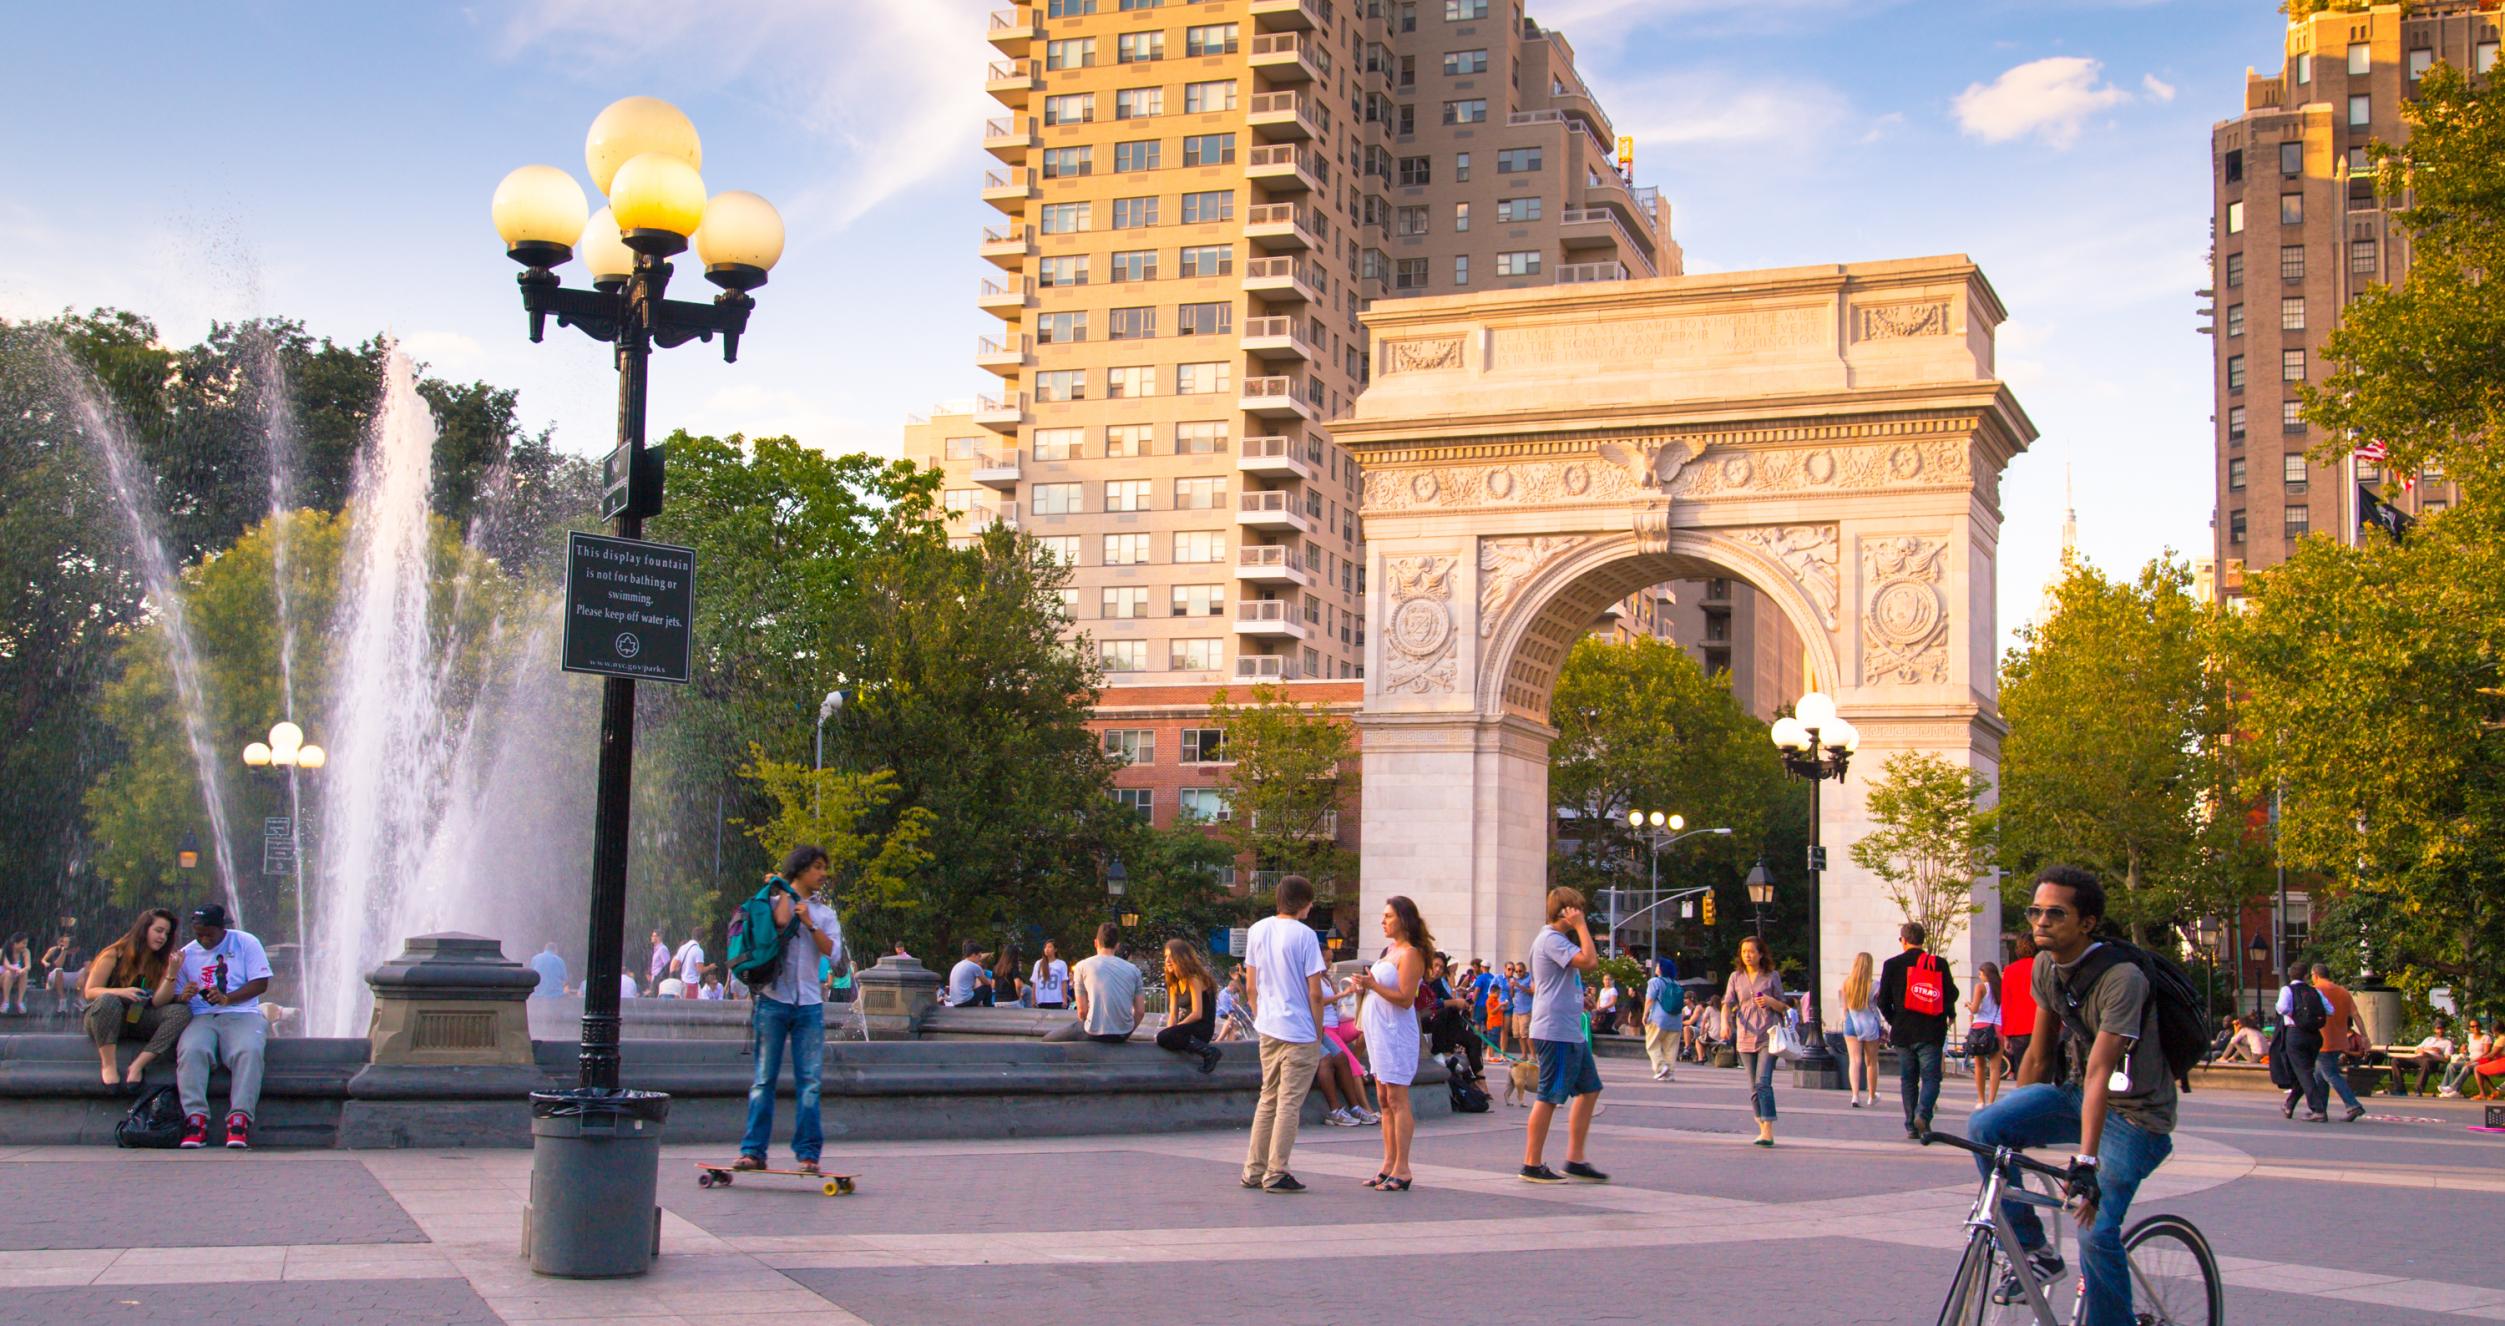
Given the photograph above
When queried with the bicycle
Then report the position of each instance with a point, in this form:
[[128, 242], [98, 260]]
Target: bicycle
[[2174, 1275]]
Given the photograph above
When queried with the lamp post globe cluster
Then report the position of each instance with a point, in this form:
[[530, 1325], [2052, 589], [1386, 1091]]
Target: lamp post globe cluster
[[1817, 744], [645, 158], [1659, 829], [285, 749]]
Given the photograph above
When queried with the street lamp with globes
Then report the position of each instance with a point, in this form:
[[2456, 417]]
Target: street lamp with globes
[[1653, 825], [643, 153], [1817, 745]]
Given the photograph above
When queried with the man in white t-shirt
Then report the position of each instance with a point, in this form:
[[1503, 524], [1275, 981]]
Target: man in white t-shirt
[[690, 963], [968, 982], [1112, 996], [791, 1009], [1051, 979], [1284, 990], [223, 973]]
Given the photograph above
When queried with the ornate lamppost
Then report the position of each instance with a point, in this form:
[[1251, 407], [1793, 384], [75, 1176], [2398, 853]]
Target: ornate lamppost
[[1817, 745], [643, 154], [1659, 831]]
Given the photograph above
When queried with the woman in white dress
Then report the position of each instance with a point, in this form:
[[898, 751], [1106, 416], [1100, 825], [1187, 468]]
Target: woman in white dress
[[1390, 1021]]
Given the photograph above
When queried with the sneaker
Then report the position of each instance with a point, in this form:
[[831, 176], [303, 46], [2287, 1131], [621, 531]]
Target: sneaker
[[1541, 1174], [1209, 1059], [2355, 1112], [2043, 1261], [1669, 1075], [195, 1132], [239, 1131], [1285, 1183], [2448, 1093], [1338, 1119], [806, 1167], [1252, 1180], [2316, 1116], [1366, 1116], [747, 1163], [1577, 1169]]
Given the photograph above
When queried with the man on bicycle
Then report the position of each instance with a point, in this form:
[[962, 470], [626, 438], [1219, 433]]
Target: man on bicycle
[[2114, 1098]]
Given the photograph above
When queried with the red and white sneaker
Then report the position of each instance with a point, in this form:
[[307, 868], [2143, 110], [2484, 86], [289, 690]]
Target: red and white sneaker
[[239, 1131], [195, 1132]]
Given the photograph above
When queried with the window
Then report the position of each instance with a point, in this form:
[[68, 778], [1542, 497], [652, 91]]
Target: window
[[1202, 379], [1059, 443], [1199, 98], [1134, 213], [1143, 155], [2235, 320], [2291, 365], [1461, 216], [2291, 209], [1208, 149], [2361, 110], [2291, 416], [1132, 745], [1521, 262], [1123, 655], [2235, 527], [2297, 521], [1409, 221], [2292, 470], [1062, 548], [1208, 259], [1512, 211], [2235, 475], [1075, 53], [2292, 262], [1414, 171], [1130, 382], [2361, 257], [2235, 270], [962, 448], [1131, 324], [1124, 441], [1461, 167], [2292, 313], [1139, 47], [2235, 372], [1202, 655], [1206, 805], [1199, 494], [1061, 328], [1462, 11], [1076, 108], [1139, 801], [1405, 15], [1471, 111], [1068, 269], [957, 501], [1200, 600], [1200, 438], [1211, 319], [1061, 384], [1215, 205], [2305, 67], [2233, 165], [2360, 59], [2235, 217], [1127, 5], [2483, 57], [1068, 162], [1461, 269], [1126, 549], [1133, 103], [1069, 8], [1409, 274], [1459, 63], [1054, 499], [1134, 264], [1067, 218], [1209, 39], [1123, 601], [2235, 425], [1199, 546], [1204, 745], [1513, 160], [2291, 159]]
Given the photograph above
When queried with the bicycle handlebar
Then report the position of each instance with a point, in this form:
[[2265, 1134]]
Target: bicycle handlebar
[[2002, 1154]]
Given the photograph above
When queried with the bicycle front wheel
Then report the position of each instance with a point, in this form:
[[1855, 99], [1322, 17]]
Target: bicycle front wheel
[[1975, 1297], [2174, 1276]]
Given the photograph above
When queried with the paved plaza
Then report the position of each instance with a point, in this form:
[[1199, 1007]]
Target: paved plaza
[[2390, 1220]]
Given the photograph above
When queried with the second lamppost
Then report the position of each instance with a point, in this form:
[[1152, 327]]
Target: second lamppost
[[1816, 745]]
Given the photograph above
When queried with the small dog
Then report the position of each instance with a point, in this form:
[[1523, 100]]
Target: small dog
[[1522, 1079]]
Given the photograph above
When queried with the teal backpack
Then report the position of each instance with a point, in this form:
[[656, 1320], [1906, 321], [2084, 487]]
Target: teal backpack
[[756, 943]]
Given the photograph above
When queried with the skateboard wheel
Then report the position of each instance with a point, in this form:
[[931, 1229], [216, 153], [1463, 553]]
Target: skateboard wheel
[[704, 1180], [834, 1188], [843, 1185]]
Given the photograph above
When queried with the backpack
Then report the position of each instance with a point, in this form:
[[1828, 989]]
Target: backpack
[[755, 947], [2306, 1010], [2182, 1028], [154, 1123], [1468, 1096], [1925, 993]]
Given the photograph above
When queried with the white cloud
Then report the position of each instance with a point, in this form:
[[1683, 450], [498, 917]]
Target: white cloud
[[2158, 88], [1705, 109], [2050, 98]]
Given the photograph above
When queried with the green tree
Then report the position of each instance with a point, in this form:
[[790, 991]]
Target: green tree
[[1173, 883], [1933, 841], [873, 874], [1291, 774]]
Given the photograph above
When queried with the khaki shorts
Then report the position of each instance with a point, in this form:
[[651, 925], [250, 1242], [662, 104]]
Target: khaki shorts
[[1521, 1025]]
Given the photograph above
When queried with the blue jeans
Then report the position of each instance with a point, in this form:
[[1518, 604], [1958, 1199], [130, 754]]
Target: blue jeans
[[2046, 1115], [1918, 1080], [804, 1026], [1759, 1065], [2329, 1068]]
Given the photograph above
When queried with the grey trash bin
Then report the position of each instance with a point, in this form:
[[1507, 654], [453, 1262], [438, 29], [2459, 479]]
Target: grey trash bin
[[595, 1163]]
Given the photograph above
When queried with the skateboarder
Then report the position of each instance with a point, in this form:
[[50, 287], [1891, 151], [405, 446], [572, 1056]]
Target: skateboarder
[[791, 1009]]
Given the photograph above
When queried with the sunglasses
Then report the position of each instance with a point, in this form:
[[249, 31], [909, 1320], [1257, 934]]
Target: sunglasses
[[2049, 914]]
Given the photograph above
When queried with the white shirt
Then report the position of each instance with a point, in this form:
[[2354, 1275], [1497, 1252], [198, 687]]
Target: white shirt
[[1607, 999], [245, 963], [1051, 981], [1283, 953], [796, 980], [962, 979], [660, 960], [691, 961], [626, 985]]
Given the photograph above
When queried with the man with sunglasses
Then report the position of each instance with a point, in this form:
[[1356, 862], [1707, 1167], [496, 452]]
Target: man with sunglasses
[[2115, 1102]]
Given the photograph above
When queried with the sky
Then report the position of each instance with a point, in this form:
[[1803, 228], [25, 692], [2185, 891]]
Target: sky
[[332, 163]]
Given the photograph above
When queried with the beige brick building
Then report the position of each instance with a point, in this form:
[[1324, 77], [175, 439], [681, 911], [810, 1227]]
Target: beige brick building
[[2298, 232]]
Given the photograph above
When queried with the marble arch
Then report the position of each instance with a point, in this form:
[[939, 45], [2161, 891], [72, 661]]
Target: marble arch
[[1832, 435]]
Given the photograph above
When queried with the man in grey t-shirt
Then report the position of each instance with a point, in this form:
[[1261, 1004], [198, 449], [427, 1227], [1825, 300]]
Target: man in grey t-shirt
[[1111, 996], [1561, 952]]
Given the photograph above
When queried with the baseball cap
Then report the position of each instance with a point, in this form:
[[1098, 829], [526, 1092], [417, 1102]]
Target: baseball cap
[[211, 914]]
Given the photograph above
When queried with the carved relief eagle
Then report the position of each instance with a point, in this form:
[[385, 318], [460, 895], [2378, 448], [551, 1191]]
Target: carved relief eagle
[[1652, 464]]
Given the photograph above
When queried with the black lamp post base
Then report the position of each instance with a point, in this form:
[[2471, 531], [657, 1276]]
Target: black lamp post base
[[1817, 1068]]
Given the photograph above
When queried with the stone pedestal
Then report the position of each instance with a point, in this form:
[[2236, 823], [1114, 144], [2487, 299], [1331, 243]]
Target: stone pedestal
[[896, 995], [451, 999]]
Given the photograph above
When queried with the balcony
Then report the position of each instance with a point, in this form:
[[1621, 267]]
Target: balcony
[[1015, 29], [1272, 511], [1000, 414], [1007, 356], [1008, 247], [1282, 116], [1583, 273], [982, 516], [1280, 458], [1267, 667], [1009, 190], [1011, 137], [1013, 81], [1268, 619], [1593, 228], [1281, 278], [1272, 564], [1276, 15], [1277, 338], [1007, 299], [1286, 57], [1278, 226], [997, 470], [1276, 398], [1285, 168]]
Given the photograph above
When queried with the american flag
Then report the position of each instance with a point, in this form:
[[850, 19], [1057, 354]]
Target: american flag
[[2370, 451]]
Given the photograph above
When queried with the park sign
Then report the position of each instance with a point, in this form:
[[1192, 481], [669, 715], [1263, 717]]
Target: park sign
[[628, 608]]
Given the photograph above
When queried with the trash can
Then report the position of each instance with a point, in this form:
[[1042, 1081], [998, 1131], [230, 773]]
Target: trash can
[[595, 1164]]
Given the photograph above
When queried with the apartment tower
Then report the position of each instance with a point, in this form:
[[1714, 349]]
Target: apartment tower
[[2298, 232]]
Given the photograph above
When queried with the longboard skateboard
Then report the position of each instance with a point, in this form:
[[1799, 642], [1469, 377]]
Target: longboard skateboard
[[709, 1176]]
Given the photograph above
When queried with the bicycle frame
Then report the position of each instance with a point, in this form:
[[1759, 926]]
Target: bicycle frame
[[1988, 1218]]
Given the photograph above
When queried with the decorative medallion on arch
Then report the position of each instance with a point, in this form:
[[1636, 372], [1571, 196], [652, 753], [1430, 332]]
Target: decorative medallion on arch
[[1419, 632], [1904, 637]]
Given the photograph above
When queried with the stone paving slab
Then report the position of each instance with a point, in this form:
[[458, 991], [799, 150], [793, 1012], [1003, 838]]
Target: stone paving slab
[[220, 1199], [442, 1302]]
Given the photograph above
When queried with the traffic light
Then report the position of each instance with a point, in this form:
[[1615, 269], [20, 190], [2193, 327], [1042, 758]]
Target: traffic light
[[1709, 916]]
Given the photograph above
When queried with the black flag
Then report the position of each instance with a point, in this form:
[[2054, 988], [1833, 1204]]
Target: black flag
[[2373, 510]]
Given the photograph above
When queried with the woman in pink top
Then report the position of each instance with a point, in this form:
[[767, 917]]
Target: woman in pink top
[[1755, 996]]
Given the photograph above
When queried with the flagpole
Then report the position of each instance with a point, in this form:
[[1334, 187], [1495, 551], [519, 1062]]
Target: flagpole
[[2348, 495]]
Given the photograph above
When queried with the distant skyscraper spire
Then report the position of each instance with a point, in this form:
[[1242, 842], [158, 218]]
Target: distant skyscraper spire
[[2069, 519]]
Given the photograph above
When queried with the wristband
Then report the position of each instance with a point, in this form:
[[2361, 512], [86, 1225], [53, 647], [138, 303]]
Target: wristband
[[2084, 1162]]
